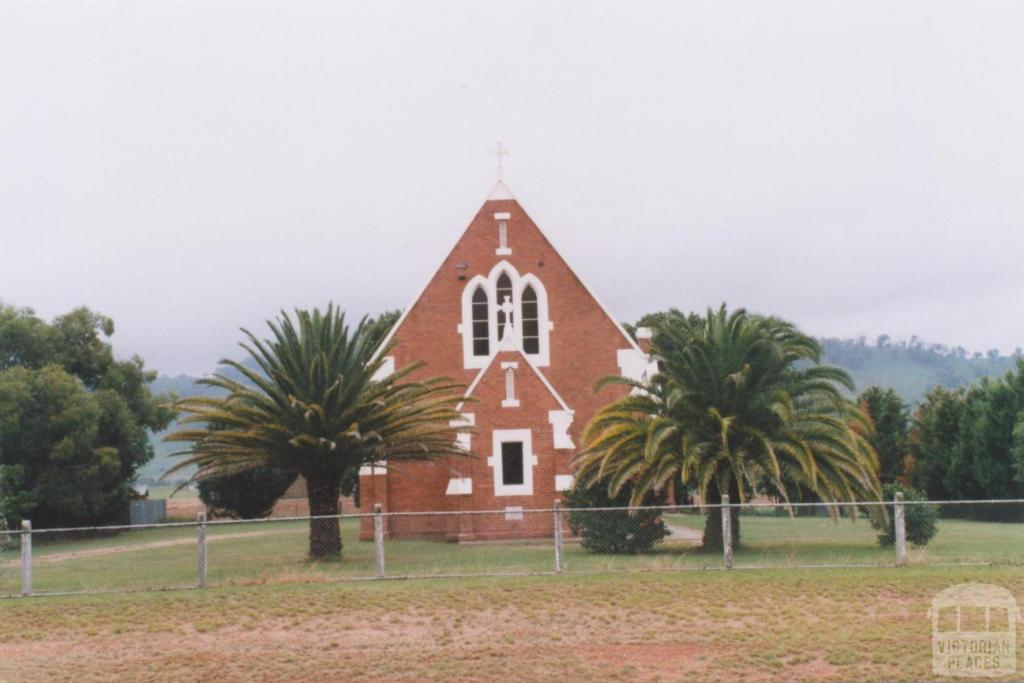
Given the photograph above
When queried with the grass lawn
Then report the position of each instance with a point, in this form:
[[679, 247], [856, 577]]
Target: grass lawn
[[240, 554], [771, 540], [764, 625]]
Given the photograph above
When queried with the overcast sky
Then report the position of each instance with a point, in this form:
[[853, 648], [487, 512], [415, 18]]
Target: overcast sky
[[191, 168]]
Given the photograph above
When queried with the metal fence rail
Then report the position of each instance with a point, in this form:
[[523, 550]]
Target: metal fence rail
[[510, 541]]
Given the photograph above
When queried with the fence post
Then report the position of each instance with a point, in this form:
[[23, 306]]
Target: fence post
[[26, 557], [558, 536], [900, 523], [726, 532], [201, 538], [378, 539]]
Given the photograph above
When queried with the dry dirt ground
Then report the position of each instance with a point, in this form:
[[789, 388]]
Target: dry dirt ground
[[797, 625]]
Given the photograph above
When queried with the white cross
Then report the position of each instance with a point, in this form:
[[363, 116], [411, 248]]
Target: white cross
[[500, 152]]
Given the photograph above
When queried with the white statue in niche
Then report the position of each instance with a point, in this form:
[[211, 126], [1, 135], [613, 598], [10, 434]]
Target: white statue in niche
[[506, 331]]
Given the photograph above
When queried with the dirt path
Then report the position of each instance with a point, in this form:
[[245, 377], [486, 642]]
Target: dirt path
[[114, 549]]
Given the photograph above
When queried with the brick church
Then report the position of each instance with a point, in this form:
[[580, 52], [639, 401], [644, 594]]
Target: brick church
[[506, 316]]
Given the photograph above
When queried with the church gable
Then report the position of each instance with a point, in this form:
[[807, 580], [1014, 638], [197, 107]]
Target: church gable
[[504, 273], [506, 316]]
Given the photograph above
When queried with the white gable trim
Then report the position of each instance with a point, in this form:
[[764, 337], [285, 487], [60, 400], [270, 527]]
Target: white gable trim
[[386, 369], [546, 383], [483, 371]]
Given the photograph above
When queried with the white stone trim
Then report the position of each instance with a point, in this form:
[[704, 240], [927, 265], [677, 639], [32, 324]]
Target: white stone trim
[[644, 333], [459, 486], [514, 513], [386, 369], [560, 421], [510, 400], [636, 365], [564, 482], [503, 248], [502, 216], [500, 192], [378, 468], [500, 436], [464, 439]]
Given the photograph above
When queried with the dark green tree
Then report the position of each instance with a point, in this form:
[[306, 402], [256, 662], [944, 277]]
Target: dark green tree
[[250, 494], [966, 444], [889, 418], [934, 437], [74, 421]]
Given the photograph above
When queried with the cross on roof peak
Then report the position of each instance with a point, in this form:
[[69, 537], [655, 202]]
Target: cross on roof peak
[[500, 151]]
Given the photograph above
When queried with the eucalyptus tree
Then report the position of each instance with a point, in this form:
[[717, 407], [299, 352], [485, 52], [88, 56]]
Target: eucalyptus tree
[[740, 403], [317, 402]]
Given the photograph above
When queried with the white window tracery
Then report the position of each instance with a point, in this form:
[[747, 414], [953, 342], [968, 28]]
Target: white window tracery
[[513, 302]]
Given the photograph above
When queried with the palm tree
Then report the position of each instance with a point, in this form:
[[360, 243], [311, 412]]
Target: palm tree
[[314, 405], [740, 403]]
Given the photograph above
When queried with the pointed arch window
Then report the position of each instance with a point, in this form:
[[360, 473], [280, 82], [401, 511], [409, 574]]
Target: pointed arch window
[[530, 322], [481, 328], [487, 318], [503, 288]]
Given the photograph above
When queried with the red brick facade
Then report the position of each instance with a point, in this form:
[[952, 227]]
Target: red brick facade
[[583, 344]]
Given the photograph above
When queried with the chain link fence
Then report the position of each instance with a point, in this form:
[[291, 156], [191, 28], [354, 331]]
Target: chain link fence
[[512, 541]]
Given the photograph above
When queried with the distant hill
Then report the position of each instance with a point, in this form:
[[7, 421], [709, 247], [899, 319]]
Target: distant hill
[[182, 386], [910, 368]]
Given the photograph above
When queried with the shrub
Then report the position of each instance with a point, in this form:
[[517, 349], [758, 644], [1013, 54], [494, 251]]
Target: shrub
[[350, 485], [614, 531], [919, 520], [245, 495]]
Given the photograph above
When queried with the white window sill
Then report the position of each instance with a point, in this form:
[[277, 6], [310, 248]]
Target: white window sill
[[513, 490]]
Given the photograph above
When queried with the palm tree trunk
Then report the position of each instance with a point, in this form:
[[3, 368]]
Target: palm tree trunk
[[713, 518], [324, 533]]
